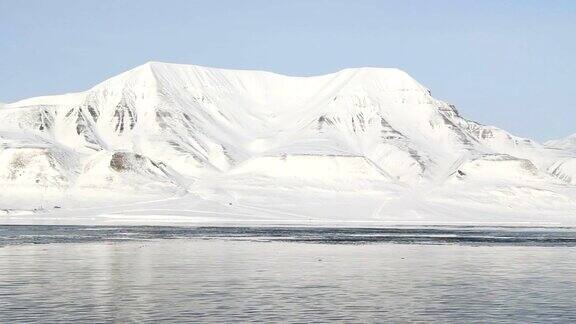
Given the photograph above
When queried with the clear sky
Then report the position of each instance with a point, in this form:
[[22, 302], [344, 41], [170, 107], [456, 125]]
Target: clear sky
[[505, 63]]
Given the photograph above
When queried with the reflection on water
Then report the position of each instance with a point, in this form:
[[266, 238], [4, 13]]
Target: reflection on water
[[251, 281]]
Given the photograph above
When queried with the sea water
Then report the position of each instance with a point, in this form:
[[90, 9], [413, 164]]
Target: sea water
[[289, 275]]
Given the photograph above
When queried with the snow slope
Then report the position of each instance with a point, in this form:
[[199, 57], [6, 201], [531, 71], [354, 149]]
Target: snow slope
[[567, 143], [358, 145]]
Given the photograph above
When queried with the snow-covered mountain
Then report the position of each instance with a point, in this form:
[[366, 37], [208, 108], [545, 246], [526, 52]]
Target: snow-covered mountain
[[258, 145], [567, 143], [565, 168]]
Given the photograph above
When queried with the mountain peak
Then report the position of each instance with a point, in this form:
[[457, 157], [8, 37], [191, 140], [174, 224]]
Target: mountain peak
[[273, 87], [366, 72], [568, 142]]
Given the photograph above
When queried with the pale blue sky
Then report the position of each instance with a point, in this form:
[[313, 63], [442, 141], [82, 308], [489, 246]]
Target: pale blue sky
[[505, 63]]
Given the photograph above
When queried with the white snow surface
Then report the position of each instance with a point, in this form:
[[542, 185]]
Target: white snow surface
[[567, 143], [183, 144]]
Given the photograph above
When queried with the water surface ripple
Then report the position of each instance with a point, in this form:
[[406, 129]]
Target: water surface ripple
[[54, 274]]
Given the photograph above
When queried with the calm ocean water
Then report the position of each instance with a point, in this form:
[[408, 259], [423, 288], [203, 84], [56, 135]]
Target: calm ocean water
[[147, 274]]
